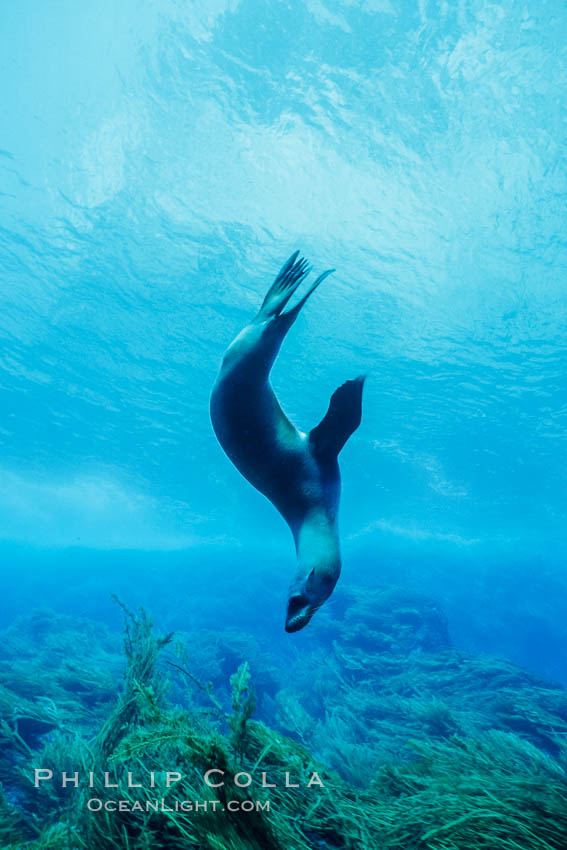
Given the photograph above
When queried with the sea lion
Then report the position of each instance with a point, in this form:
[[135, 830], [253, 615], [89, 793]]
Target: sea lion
[[299, 473]]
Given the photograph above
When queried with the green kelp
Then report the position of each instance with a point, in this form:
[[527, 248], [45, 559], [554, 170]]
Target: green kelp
[[419, 747], [144, 735], [484, 793]]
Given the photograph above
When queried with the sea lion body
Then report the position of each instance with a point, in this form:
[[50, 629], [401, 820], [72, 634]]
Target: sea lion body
[[297, 472]]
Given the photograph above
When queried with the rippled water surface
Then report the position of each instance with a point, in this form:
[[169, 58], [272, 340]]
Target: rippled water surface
[[159, 162]]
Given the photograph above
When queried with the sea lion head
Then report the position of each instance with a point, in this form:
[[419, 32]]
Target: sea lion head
[[307, 593]]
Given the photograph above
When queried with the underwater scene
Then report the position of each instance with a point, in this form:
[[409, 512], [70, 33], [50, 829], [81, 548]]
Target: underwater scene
[[283, 428]]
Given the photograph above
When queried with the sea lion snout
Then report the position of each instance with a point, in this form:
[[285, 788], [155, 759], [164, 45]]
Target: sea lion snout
[[299, 612], [308, 592]]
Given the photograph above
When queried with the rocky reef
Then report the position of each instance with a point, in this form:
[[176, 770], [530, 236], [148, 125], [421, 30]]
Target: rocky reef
[[385, 737]]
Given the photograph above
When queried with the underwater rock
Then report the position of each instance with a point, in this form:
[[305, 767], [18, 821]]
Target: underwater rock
[[386, 620], [56, 673], [393, 676], [232, 648]]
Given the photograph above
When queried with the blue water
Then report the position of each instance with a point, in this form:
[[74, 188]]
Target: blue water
[[160, 160]]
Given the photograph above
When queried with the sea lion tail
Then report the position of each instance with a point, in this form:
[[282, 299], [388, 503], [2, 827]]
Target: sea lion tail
[[340, 421]]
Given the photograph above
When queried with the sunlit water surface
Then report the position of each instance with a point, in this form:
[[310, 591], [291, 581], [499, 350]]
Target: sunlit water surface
[[159, 162]]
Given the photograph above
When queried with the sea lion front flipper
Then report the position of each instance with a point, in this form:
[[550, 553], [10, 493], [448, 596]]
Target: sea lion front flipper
[[340, 421], [288, 279]]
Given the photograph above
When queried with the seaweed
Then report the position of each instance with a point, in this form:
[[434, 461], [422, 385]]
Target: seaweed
[[141, 683], [413, 746], [483, 794], [243, 705]]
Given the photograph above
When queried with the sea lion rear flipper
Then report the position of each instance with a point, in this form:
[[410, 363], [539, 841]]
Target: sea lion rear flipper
[[288, 279], [291, 314], [340, 421]]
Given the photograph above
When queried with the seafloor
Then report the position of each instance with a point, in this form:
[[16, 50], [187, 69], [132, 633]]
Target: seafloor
[[418, 745]]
